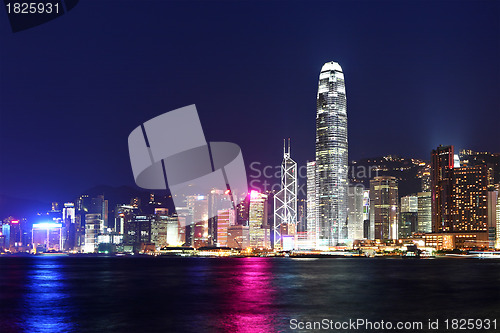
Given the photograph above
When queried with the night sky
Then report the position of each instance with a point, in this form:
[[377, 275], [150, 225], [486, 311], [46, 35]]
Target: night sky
[[418, 74]]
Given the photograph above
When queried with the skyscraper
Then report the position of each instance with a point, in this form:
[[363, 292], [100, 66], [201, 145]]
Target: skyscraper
[[442, 164], [257, 218], [384, 207], [459, 194], [285, 201], [424, 212], [312, 216], [408, 217], [355, 222], [331, 156]]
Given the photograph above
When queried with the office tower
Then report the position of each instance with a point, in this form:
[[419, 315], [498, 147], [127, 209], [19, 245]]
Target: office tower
[[217, 200], [159, 230], [100, 206], [137, 233], [442, 164], [198, 204], [123, 215], [257, 218], [93, 223], [424, 223], [491, 160], [408, 217], [366, 215], [46, 236], [312, 217], [469, 200], [225, 219], [384, 207], [5, 233], [331, 156], [242, 210], [238, 236], [285, 201], [175, 231], [426, 178], [355, 207], [498, 220], [186, 227], [69, 226], [492, 215]]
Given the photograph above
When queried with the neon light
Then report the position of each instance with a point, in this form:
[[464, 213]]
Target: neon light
[[47, 225], [254, 194], [14, 221]]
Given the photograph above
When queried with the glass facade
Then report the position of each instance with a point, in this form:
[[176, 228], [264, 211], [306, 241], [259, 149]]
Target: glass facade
[[331, 156]]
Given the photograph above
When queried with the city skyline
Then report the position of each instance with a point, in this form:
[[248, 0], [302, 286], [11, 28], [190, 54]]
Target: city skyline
[[88, 101], [144, 184]]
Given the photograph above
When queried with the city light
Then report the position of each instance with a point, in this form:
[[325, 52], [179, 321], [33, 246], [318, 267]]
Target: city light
[[254, 194], [47, 225]]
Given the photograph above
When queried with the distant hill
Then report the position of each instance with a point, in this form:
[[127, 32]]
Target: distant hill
[[20, 208], [123, 194], [17, 207]]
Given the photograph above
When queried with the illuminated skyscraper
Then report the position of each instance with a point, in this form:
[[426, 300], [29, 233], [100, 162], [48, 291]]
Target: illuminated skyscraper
[[225, 219], [469, 200], [312, 216], [442, 164], [384, 207], [492, 215], [257, 220], [459, 194], [285, 201], [408, 217], [355, 222], [424, 212], [199, 206], [498, 222], [331, 156]]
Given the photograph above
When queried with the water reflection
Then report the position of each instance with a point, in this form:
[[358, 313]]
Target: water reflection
[[47, 303], [251, 294]]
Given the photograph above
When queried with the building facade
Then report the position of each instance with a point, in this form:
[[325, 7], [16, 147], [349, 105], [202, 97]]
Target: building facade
[[384, 207]]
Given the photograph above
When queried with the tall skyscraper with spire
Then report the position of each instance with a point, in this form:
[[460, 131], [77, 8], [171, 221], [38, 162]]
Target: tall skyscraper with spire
[[285, 204], [331, 156]]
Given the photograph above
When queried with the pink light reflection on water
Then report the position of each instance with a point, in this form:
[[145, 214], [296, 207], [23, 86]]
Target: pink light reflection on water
[[252, 297]]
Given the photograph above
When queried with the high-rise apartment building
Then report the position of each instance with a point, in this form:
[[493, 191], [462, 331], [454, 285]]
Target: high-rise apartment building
[[331, 156]]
